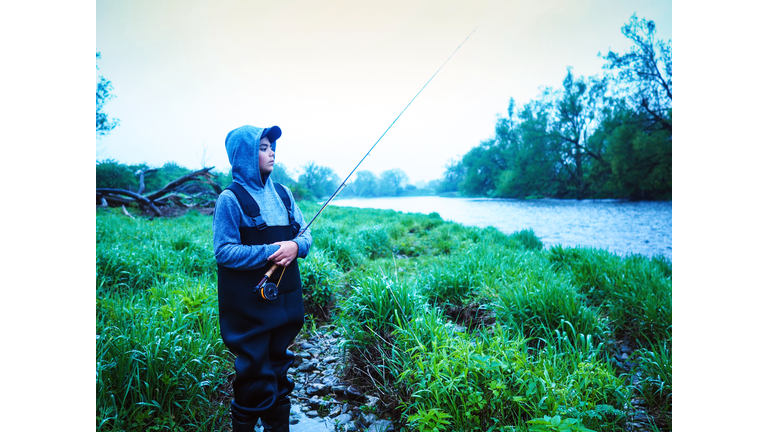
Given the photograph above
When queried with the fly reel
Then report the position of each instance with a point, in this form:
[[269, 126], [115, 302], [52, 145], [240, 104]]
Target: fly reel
[[268, 291], [265, 289]]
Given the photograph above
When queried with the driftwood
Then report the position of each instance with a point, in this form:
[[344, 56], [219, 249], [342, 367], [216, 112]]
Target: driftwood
[[141, 173], [125, 211], [170, 187], [170, 194]]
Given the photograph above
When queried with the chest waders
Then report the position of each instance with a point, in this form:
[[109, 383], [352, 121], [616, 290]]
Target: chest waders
[[256, 330]]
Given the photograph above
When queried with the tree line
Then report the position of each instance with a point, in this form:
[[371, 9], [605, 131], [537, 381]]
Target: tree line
[[313, 182], [604, 136]]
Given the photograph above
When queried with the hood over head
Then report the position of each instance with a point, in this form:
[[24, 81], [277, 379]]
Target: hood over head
[[242, 146]]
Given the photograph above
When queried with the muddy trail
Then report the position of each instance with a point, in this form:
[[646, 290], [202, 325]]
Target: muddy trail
[[322, 400]]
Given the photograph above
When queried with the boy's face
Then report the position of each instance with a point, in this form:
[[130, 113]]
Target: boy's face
[[266, 156]]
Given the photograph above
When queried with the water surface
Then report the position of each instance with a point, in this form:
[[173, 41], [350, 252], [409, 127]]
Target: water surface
[[622, 227]]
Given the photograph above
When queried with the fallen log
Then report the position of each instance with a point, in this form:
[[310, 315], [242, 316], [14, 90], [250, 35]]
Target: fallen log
[[140, 200], [178, 182], [113, 200], [174, 198], [172, 193]]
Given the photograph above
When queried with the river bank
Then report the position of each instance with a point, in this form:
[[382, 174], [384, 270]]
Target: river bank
[[411, 319]]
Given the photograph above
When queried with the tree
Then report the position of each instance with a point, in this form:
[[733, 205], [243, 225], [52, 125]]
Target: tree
[[320, 181], [639, 132], [280, 175], [366, 184], [103, 94], [639, 77], [640, 155], [483, 164], [578, 109], [548, 146], [452, 177], [392, 182], [533, 166], [596, 137]]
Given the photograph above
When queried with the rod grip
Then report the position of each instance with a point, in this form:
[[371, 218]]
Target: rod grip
[[266, 277]]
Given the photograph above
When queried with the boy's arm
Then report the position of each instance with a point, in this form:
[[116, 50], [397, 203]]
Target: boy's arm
[[227, 248]]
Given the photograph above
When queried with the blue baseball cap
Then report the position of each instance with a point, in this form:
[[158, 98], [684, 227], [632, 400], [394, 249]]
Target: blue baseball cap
[[272, 134]]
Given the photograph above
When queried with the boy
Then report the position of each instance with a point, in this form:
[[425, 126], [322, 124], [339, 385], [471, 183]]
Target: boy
[[255, 224]]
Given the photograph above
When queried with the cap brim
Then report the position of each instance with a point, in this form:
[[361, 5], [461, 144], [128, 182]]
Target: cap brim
[[273, 134]]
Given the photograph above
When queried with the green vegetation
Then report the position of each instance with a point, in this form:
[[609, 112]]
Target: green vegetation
[[595, 137], [104, 124], [160, 363], [453, 327], [314, 182]]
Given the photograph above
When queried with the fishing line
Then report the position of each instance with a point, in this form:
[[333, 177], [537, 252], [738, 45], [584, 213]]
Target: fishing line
[[385, 132], [344, 183]]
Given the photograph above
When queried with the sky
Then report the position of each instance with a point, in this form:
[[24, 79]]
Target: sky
[[335, 74]]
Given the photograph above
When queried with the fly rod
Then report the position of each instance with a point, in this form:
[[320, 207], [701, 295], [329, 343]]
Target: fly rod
[[269, 290]]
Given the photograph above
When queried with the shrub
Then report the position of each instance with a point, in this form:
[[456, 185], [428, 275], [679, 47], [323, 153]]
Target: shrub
[[112, 174], [375, 242], [528, 240], [318, 277]]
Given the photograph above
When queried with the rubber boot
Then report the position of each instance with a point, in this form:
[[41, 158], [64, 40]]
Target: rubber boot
[[279, 419], [243, 427]]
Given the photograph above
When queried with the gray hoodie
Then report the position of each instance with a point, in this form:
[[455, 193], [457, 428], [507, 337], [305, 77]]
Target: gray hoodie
[[243, 150]]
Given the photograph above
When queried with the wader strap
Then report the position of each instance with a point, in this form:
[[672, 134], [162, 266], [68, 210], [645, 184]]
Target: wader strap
[[254, 212], [248, 204], [287, 203]]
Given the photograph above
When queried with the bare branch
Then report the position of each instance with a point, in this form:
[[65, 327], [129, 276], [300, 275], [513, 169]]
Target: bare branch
[[142, 201], [178, 182], [125, 211], [141, 173]]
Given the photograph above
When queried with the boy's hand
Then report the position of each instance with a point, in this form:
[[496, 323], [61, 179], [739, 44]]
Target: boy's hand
[[286, 254]]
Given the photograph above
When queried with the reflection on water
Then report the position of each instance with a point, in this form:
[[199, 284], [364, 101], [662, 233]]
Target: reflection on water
[[619, 226]]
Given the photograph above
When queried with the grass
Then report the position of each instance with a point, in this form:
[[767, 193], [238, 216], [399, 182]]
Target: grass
[[453, 327]]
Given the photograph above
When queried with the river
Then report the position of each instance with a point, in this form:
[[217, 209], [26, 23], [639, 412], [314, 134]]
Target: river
[[622, 227]]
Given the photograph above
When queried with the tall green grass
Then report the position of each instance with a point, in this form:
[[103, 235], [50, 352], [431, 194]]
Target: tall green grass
[[136, 254], [160, 363], [538, 356], [636, 291], [654, 365]]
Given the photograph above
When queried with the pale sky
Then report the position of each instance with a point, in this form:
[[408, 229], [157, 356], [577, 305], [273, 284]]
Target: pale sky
[[334, 74]]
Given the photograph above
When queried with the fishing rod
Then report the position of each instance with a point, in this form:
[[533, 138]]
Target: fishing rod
[[268, 291]]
